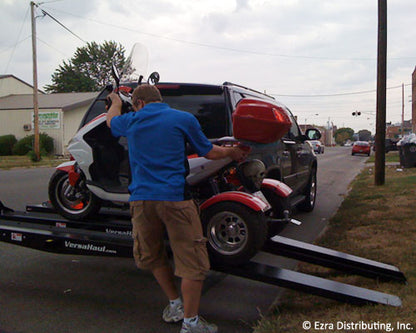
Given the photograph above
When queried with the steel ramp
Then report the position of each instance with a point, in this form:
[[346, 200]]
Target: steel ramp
[[310, 284], [318, 255]]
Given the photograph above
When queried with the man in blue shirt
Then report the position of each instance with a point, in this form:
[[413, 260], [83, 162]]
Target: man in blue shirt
[[157, 136]]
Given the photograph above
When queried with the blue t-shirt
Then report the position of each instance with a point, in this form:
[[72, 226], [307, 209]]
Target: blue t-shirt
[[157, 137]]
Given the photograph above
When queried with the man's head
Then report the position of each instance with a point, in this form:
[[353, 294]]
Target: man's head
[[144, 94]]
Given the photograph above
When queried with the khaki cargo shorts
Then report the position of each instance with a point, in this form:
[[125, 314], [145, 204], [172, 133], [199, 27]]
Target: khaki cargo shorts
[[181, 220]]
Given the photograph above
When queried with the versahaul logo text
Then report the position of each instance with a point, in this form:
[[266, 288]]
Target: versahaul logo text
[[87, 247], [118, 232]]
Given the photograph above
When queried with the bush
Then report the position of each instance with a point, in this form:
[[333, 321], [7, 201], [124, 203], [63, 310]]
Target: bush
[[6, 144], [25, 145]]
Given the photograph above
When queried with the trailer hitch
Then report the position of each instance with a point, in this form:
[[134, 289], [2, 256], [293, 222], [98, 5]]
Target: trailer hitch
[[286, 219]]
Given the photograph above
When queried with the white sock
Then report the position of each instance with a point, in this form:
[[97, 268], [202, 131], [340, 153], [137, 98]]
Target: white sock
[[191, 321], [175, 302]]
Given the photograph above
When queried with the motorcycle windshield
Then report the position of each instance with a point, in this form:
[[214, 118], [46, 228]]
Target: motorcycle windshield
[[136, 64]]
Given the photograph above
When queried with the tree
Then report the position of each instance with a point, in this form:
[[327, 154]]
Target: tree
[[89, 69], [343, 134], [364, 135]]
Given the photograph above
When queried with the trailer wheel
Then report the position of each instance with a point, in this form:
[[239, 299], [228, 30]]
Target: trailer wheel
[[235, 233], [74, 203]]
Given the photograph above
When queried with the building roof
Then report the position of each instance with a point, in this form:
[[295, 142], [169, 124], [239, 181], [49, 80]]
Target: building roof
[[64, 101], [6, 76]]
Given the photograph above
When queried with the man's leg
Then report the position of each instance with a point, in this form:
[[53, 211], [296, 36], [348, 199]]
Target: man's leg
[[165, 278], [191, 294]]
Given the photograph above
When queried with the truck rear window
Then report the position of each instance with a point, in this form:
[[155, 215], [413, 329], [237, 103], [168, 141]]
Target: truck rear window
[[205, 102], [208, 109]]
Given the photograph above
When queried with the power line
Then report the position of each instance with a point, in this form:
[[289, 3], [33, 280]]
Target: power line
[[61, 24], [212, 46], [47, 44], [14, 46], [338, 94], [17, 42]]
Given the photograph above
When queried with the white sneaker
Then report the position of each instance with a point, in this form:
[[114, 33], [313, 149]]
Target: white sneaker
[[201, 327], [173, 314]]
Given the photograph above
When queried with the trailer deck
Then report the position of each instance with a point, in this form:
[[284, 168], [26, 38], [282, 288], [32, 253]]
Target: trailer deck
[[39, 227]]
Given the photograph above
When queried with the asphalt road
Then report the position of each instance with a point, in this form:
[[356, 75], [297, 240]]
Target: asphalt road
[[45, 292]]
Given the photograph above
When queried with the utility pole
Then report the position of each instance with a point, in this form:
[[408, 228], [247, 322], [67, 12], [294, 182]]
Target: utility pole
[[402, 129], [379, 172], [35, 84]]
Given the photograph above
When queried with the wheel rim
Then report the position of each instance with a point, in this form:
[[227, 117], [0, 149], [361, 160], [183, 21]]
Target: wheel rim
[[312, 194], [227, 233], [70, 205]]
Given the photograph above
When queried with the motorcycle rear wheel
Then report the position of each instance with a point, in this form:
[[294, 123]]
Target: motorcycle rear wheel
[[72, 203], [235, 233]]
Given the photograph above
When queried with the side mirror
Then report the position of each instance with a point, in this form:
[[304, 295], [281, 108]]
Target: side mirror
[[313, 134], [153, 78]]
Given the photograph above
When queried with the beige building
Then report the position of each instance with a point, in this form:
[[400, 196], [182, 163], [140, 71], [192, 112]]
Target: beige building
[[59, 114], [10, 85]]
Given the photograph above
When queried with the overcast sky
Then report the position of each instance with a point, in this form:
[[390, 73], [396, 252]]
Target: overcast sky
[[319, 57]]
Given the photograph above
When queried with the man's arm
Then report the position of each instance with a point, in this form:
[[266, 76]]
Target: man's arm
[[219, 152], [115, 108]]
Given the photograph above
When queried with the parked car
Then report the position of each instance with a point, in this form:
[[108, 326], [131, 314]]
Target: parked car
[[318, 146], [361, 147], [391, 145]]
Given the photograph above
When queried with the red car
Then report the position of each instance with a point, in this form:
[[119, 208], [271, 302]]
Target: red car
[[361, 147]]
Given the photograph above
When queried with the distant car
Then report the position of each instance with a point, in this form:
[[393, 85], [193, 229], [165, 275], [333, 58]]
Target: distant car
[[317, 146], [361, 147], [391, 145]]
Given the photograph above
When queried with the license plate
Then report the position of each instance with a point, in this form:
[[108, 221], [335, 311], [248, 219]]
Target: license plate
[[260, 195]]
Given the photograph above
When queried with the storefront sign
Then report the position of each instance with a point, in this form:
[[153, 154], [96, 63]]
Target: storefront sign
[[48, 120]]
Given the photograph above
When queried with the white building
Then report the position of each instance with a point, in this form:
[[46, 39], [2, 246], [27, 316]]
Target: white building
[[59, 114]]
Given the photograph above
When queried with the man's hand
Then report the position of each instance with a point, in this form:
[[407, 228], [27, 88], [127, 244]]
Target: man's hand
[[239, 153], [115, 107], [236, 153]]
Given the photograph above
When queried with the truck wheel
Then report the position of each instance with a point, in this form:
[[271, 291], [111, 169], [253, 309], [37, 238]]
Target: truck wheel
[[308, 203], [74, 203], [235, 233]]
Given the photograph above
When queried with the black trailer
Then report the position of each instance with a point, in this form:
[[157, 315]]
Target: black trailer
[[39, 227]]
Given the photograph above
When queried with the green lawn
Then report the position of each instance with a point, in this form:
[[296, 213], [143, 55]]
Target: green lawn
[[374, 222], [9, 162]]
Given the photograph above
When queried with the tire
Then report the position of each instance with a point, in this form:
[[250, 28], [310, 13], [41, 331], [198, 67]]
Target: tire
[[308, 204], [235, 233], [77, 205]]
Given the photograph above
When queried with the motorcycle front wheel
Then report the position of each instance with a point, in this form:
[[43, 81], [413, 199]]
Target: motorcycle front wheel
[[74, 203], [235, 233]]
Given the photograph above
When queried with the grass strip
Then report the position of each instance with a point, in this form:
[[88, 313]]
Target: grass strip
[[10, 162], [374, 222]]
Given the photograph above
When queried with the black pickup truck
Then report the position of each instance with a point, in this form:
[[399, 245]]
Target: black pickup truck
[[290, 160]]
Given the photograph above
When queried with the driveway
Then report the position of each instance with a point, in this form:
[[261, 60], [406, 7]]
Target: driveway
[[46, 292]]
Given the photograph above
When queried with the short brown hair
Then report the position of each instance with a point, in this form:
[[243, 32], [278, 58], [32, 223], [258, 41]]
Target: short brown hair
[[146, 93]]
